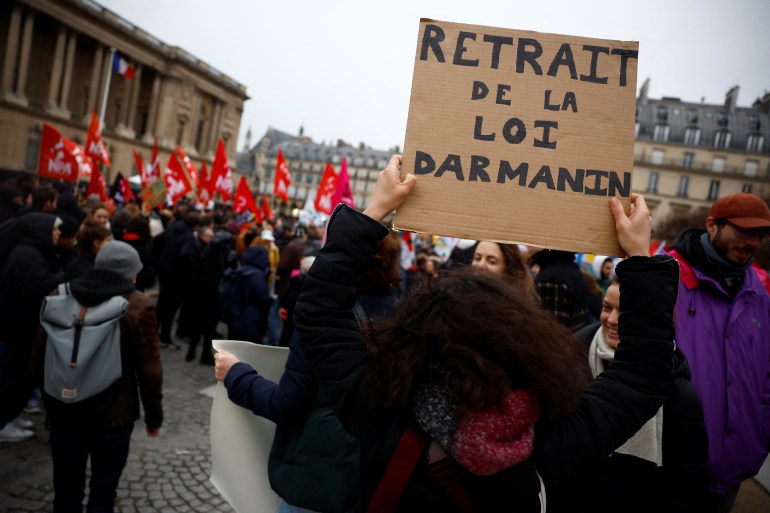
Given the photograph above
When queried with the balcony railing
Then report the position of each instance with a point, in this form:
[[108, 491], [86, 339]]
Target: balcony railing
[[700, 167]]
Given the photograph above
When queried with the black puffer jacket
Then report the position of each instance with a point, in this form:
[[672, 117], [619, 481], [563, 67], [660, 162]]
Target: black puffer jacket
[[681, 484], [616, 405]]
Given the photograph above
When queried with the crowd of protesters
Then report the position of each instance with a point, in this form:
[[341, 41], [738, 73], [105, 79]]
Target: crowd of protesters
[[187, 251]]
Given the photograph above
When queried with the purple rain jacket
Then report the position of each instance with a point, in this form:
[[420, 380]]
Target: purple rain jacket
[[727, 343]]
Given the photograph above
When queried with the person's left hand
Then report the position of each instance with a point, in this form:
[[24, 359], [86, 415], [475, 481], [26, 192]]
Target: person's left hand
[[222, 363], [152, 432]]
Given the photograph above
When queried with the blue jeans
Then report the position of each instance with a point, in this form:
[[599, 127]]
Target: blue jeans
[[285, 507], [70, 449], [273, 325]]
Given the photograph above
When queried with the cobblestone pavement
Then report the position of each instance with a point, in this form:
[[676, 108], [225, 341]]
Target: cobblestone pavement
[[169, 474]]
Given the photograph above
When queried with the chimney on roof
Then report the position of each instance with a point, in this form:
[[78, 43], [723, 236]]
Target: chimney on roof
[[763, 104], [301, 130], [731, 98], [247, 141]]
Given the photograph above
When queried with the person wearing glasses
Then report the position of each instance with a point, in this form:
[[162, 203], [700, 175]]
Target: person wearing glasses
[[723, 327]]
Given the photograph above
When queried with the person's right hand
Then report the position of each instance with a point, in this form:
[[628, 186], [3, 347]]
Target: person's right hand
[[633, 231], [389, 191], [222, 363]]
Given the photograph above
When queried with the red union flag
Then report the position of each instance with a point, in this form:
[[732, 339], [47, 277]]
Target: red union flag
[[244, 200], [221, 177], [343, 193], [323, 200], [189, 166], [152, 171], [60, 158], [204, 194], [95, 147], [176, 181], [266, 211], [282, 178], [97, 185]]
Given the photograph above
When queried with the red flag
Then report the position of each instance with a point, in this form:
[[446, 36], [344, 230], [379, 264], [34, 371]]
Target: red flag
[[95, 147], [125, 190], [244, 200], [323, 199], [189, 166], [221, 177], [204, 192], [176, 181], [266, 212], [60, 158], [97, 185], [343, 193], [152, 170], [140, 167], [282, 178]]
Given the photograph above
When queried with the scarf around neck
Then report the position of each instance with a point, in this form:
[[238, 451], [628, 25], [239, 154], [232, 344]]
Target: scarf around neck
[[647, 443], [483, 442]]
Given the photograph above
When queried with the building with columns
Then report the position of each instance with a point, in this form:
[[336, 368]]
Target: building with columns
[[688, 154], [56, 66]]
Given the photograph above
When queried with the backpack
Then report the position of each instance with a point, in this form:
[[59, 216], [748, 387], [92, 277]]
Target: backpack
[[9, 235], [231, 292], [82, 355]]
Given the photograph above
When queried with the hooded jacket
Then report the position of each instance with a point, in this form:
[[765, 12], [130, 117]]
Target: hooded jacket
[[255, 298], [727, 343], [140, 359], [28, 274]]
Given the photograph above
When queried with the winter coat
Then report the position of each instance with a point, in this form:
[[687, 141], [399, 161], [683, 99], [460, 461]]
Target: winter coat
[[31, 270], [256, 299], [681, 483], [616, 405], [140, 359], [727, 343]]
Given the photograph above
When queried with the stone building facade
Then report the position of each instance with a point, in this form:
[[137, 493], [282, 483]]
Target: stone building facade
[[56, 64], [307, 160], [686, 154]]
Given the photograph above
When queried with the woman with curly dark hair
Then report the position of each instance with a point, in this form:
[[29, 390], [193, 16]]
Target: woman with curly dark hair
[[482, 391]]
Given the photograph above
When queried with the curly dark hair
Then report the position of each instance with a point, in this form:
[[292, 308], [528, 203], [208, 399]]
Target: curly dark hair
[[485, 336]]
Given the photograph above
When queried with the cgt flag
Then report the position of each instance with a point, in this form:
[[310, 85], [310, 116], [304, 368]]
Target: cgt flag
[[244, 200], [221, 176], [204, 185], [95, 147], [176, 181], [97, 185], [323, 200], [343, 193], [60, 158], [189, 166], [282, 178], [266, 211]]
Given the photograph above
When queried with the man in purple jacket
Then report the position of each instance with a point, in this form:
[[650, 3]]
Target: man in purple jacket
[[723, 327]]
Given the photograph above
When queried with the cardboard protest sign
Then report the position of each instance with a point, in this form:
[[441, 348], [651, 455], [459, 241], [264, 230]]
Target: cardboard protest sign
[[519, 136]]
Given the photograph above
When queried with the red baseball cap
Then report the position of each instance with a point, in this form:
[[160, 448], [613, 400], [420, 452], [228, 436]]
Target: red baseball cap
[[742, 209]]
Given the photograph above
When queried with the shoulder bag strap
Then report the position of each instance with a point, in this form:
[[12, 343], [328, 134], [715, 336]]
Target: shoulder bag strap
[[400, 468], [78, 330]]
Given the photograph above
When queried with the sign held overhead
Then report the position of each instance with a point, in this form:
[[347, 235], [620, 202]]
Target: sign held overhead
[[519, 136]]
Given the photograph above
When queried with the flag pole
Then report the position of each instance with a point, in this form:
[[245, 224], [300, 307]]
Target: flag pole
[[103, 108]]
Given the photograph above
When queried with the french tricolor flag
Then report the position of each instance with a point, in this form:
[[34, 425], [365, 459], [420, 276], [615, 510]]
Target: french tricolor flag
[[121, 65]]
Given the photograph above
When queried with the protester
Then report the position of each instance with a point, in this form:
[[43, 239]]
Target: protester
[[90, 238], [11, 200], [560, 285], [100, 427], [288, 299], [254, 300], [503, 259], [722, 316], [28, 274], [603, 268], [137, 235], [663, 466], [100, 214], [467, 352]]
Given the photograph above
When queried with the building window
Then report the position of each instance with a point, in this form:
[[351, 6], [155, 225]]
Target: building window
[[684, 183], [660, 133], [335, 159], [713, 190], [309, 178], [33, 149], [662, 113], [722, 139], [688, 160], [754, 142], [657, 157], [747, 187], [652, 183], [718, 165], [692, 116], [692, 136], [750, 169]]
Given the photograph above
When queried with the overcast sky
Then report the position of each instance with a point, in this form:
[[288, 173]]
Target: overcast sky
[[343, 69]]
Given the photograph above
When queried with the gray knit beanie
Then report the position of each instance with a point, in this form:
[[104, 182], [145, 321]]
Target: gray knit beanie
[[118, 257]]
